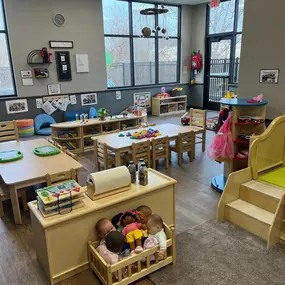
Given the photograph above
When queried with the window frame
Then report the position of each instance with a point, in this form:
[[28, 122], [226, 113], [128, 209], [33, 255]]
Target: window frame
[[6, 33], [156, 37]]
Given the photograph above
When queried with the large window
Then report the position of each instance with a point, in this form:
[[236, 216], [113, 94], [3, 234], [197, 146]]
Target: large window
[[6, 78], [132, 60]]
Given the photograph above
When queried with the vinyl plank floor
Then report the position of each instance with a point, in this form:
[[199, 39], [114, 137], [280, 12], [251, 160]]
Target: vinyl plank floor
[[196, 203]]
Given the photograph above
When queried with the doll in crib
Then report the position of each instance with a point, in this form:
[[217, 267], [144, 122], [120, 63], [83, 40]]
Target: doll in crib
[[103, 227], [132, 231], [156, 235], [143, 212]]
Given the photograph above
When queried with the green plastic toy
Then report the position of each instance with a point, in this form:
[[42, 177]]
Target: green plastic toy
[[121, 135], [10, 155], [46, 150]]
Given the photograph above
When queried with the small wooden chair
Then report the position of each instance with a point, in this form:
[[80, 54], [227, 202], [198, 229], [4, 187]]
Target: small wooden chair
[[9, 131], [185, 143], [160, 149], [5, 195], [198, 124], [141, 150], [69, 153], [104, 156], [61, 177]]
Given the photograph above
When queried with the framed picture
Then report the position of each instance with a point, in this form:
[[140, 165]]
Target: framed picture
[[142, 99], [270, 76], [17, 106], [89, 99]]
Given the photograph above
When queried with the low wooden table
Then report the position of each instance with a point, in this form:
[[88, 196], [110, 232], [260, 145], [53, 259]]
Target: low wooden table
[[121, 144], [31, 169]]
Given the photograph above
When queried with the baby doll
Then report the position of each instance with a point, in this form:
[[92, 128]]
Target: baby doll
[[116, 221], [103, 227], [142, 215], [112, 247], [132, 231], [156, 235]]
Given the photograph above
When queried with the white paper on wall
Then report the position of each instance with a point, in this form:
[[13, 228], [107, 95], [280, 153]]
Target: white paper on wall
[[27, 82], [62, 104], [39, 102], [73, 99], [48, 108], [54, 89], [82, 63], [17, 106]]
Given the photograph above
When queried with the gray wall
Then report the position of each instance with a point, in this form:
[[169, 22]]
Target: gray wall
[[30, 27], [263, 48], [106, 99]]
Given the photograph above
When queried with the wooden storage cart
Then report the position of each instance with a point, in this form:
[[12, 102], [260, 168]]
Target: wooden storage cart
[[169, 106], [78, 136], [240, 107], [61, 241], [136, 266]]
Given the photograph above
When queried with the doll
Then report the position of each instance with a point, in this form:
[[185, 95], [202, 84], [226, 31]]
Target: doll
[[157, 235], [142, 214], [116, 221], [45, 55], [103, 227], [132, 231], [112, 247]]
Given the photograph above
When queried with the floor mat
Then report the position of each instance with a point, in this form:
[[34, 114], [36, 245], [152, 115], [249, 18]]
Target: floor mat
[[221, 254], [275, 177], [211, 123]]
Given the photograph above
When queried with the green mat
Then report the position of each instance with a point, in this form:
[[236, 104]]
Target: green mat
[[275, 177]]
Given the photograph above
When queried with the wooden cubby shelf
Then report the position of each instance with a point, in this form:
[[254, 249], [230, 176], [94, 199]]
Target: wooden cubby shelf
[[169, 106], [77, 137]]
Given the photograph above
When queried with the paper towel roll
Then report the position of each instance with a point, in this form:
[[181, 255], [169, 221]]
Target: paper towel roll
[[109, 180]]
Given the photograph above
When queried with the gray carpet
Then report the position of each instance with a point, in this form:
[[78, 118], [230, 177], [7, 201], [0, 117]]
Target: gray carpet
[[220, 253]]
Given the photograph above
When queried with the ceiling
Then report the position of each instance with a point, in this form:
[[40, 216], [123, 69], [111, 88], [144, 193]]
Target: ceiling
[[181, 2]]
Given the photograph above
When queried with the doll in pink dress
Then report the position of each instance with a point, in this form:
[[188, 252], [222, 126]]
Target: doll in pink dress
[[132, 231]]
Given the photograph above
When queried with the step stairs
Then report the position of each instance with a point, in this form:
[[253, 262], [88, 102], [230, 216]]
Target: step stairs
[[256, 207]]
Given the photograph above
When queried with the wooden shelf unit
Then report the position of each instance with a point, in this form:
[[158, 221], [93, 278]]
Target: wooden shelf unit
[[78, 136], [169, 106]]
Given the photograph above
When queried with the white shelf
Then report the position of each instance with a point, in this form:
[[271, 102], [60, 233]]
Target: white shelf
[[173, 113]]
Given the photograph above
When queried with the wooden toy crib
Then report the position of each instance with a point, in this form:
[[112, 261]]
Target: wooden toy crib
[[251, 200], [135, 265]]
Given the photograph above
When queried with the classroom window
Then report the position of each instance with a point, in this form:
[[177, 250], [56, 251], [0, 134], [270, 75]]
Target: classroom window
[[6, 74], [135, 61]]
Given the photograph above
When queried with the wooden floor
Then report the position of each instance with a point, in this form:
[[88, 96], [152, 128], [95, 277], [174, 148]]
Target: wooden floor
[[196, 203]]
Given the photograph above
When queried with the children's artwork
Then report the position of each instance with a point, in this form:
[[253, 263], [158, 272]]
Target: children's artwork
[[48, 108], [17, 106], [270, 76], [58, 102], [62, 104], [89, 99], [142, 99], [73, 100], [54, 104], [39, 103], [53, 89]]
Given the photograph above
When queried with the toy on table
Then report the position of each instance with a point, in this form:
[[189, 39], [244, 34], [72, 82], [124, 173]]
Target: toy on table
[[149, 133], [162, 95], [132, 231], [121, 135], [230, 95], [102, 113], [10, 155], [46, 150], [256, 99], [156, 235]]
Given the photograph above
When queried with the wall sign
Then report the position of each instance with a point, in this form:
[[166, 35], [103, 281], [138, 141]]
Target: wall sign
[[61, 44], [53, 89], [26, 74], [63, 65], [270, 76]]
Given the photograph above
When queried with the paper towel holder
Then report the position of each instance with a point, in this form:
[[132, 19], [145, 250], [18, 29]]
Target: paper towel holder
[[96, 194]]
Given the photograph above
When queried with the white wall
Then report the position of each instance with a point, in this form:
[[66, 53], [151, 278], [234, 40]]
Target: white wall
[[263, 48], [30, 27]]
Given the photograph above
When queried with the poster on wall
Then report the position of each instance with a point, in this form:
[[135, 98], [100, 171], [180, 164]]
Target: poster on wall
[[270, 76], [142, 99], [73, 100], [17, 106], [89, 99], [48, 108], [82, 63]]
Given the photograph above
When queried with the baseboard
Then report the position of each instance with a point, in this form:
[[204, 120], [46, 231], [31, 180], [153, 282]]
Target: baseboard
[[69, 273]]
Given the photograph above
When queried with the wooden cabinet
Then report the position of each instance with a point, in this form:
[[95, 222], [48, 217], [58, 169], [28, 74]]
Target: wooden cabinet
[[168, 106]]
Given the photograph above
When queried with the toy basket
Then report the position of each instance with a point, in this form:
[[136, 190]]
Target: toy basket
[[136, 266]]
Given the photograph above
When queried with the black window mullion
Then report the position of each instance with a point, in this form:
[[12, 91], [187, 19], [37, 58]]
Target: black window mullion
[[156, 59], [236, 15], [179, 46], [131, 44]]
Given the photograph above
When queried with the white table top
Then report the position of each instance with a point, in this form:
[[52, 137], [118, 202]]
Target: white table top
[[32, 166], [115, 142]]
